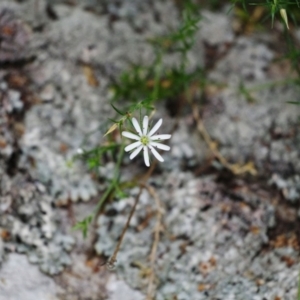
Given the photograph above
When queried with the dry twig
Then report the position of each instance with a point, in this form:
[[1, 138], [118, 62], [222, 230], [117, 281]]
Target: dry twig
[[111, 262], [234, 168], [157, 230]]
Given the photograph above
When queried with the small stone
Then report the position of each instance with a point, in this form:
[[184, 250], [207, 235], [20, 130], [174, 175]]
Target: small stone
[[47, 93]]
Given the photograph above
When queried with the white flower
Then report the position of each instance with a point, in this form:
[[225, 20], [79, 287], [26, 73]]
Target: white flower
[[146, 140], [79, 151]]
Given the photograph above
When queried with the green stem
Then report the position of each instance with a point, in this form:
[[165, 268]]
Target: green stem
[[113, 183], [260, 87], [157, 76]]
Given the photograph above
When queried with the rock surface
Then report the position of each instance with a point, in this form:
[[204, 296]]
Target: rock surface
[[222, 237], [21, 280]]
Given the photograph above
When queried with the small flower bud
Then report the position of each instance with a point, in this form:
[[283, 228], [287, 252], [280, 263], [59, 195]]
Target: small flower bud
[[284, 17], [79, 151]]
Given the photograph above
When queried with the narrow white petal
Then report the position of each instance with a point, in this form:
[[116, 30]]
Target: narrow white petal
[[130, 135], [160, 146], [155, 127], [146, 156], [155, 153], [136, 152], [145, 125], [136, 126], [160, 137], [132, 146]]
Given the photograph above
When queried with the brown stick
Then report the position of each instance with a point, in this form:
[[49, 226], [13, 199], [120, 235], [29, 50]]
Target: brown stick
[[111, 262], [234, 168], [157, 229]]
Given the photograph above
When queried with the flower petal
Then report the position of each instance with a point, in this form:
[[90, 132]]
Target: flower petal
[[132, 146], [146, 156], [145, 125], [136, 152], [160, 146], [155, 153], [130, 135], [161, 137], [155, 127], [136, 126]]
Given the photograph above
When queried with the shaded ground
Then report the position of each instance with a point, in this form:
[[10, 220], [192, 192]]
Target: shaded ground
[[222, 236]]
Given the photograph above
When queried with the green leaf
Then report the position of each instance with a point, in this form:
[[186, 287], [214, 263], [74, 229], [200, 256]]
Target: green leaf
[[83, 225], [294, 102], [119, 193], [117, 110]]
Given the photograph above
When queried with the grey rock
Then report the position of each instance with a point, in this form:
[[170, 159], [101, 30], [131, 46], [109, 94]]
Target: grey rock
[[290, 187], [213, 259], [215, 29], [15, 35], [22, 280], [33, 227], [118, 289]]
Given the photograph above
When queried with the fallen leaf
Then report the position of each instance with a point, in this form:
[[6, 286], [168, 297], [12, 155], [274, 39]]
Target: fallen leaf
[[90, 76]]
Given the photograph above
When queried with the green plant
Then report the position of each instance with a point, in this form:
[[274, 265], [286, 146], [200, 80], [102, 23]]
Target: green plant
[[135, 93], [274, 8], [138, 89]]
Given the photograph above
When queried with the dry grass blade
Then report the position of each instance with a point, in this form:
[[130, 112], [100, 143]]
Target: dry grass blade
[[236, 169], [157, 230]]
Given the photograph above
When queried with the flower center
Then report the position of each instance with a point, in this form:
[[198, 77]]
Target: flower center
[[145, 140]]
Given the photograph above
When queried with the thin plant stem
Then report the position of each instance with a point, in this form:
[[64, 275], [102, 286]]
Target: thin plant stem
[[260, 87], [111, 262], [113, 183], [157, 77], [157, 229]]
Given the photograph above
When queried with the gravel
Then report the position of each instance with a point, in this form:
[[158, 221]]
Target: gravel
[[211, 243], [21, 280]]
